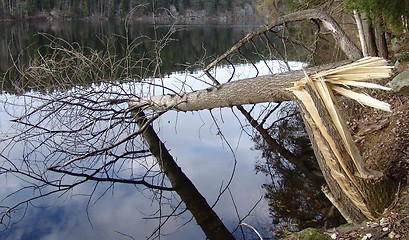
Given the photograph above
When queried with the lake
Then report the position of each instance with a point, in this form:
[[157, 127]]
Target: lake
[[215, 148]]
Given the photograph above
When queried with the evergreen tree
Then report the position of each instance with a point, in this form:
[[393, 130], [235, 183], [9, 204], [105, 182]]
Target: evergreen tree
[[210, 5], [29, 7], [113, 7], [124, 6], [393, 12], [224, 4]]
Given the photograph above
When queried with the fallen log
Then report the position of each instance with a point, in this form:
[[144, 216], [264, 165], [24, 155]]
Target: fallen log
[[270, 88]]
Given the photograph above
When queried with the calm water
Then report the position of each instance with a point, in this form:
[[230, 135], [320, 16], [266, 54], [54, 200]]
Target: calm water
[[259, 194], [187, 44]]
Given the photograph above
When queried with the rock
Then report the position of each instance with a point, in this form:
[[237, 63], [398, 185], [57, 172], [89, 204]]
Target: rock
[[400, 83], [399, 44]]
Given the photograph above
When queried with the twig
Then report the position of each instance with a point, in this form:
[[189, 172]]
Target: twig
[[252, 228]]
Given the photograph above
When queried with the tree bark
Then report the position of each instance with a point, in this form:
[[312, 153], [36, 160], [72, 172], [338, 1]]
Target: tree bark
[[338, 175], [357, 197], [271, 88], [369, 36], [205, 217], [360, 27], [380, 38]]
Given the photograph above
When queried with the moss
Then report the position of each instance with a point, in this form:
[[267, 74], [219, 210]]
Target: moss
[[309, 234]]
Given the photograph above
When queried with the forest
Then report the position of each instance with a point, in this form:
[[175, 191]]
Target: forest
[[22, 9]]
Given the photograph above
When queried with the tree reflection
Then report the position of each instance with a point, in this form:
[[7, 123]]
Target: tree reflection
[[71, 129], [294, 195], [24, 43]]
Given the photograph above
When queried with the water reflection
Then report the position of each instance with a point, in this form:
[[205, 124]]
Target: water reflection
[[293, 192], [101, 211], [22, 41], [107, 211], [126, 209]]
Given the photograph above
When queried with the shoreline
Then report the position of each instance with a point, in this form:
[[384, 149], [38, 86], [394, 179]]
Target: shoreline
[[246, 15]]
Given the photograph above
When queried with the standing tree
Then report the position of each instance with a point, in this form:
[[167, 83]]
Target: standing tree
[[379, 18]]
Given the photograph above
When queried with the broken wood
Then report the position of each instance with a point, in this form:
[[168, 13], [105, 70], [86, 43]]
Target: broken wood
[[338, 157]]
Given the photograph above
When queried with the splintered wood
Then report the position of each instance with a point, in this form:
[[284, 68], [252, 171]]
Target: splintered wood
[[316, 96]]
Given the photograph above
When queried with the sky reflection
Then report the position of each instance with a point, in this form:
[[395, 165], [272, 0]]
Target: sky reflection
[[206, 160], [210, 147]]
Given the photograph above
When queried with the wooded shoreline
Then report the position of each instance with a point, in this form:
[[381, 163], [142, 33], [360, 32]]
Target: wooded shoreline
[[190, 13]]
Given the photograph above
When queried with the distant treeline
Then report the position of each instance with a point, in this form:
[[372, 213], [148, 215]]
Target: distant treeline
[[22, 9]]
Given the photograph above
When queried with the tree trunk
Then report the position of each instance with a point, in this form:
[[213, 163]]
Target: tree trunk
[[380, 37], [357, 198], [345, 43], [272, 88], [360, 28], [343, 203], [205, 217], [369, 36], [255, 90]]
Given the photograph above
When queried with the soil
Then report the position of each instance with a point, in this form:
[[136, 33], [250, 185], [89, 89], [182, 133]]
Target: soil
[[383, 139]]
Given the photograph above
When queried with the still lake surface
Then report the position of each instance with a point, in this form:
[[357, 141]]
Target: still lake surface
[[125, 211]]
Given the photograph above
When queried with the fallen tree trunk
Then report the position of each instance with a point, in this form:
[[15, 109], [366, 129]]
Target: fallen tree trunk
[[352, 186], [271, 88], [350, 183]]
